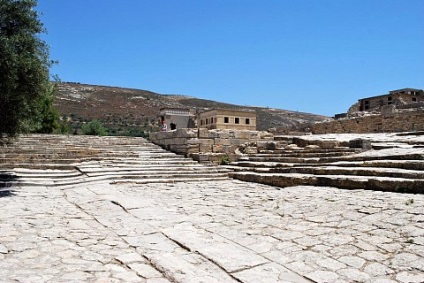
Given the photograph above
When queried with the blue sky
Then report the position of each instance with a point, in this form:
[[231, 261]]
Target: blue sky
[[316, 56]]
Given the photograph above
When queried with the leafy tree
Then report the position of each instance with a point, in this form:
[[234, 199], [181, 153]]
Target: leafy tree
[[63, 127], [25, 90], [47, 117], [94, 128]]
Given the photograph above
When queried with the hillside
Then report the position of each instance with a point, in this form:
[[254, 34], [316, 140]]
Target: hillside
[[133, 111]]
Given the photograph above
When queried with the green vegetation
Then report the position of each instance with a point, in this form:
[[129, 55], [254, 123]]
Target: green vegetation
[[26, 94], [94, 128], [128, 133], [63, 127], [224, 160]]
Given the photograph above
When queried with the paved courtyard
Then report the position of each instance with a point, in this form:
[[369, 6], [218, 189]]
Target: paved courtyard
[[213, 231]]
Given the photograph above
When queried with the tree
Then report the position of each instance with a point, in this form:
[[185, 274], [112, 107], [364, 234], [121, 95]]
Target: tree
[[46, 120], [24, 68], [94, 128]]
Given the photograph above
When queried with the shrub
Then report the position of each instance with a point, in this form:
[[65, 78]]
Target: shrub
[[94, 128]]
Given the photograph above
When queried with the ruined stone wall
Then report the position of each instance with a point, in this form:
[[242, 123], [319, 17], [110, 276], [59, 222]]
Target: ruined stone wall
[[208, 145], [404, 121]]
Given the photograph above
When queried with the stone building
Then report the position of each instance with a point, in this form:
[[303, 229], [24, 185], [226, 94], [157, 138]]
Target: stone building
[[227, 119], [399, 97], [177, 117]]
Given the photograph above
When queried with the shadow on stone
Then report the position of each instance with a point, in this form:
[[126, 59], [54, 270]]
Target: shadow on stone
[[6, 181], [7, 193]]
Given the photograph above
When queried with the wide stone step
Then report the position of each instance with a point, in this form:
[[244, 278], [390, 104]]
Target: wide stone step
[[153, 178], [284, 159], [127, 173], [402, 164], [339, 181], [138, 163], [13, 162], [52, 174], [334, 158], [304, 154], [357, 171], [37, 166]]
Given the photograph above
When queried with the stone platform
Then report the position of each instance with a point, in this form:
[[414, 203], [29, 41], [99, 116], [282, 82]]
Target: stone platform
[[121, 224]]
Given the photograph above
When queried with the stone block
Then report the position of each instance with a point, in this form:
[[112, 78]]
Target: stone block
[[251, 150], [360, 143], [204, 133], [224, 134], [218, 148], [185, 133], [269, 145], [219, 141], [180, 149], [194, 141], [265, 135], [246, 135], [200, 141], [229, 149], [205, 148], [237, 142], [179, 141], [192, 149]]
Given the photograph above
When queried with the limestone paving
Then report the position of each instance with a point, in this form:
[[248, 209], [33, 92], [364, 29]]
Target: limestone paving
[[215, 231], [87, 209]]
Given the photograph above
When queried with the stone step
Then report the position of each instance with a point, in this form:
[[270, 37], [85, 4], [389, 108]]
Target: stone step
[[315, 150], [138, 163], [63, 155], [13, 162], [37, 166], [150, 172], [268, 158], [280, 159], [335, 170], [339, 181], [304, 154], [157, 178], [52, 174], [402, 164]]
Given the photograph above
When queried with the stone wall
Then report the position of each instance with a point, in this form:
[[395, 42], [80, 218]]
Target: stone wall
[[210, 145], [404, 121]]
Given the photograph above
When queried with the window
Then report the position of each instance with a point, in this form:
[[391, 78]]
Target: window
[[414, 99], [226, 120], [389, 100], [366, 104], [237, 120], [207, 121], [211, 120], [247, 121]]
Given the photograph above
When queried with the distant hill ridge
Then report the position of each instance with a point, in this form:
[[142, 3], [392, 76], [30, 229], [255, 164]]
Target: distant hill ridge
[[127, 110]]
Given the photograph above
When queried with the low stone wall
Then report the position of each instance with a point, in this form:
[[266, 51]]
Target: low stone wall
[[210, 145], [405, 121]]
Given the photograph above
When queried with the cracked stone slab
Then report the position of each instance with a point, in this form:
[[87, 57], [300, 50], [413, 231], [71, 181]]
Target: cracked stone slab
[[227, 254], [190, 268], [270, 272]]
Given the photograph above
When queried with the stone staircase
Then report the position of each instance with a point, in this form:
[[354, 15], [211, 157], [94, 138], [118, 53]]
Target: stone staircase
[[390, 166], [54, 160]]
